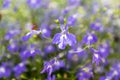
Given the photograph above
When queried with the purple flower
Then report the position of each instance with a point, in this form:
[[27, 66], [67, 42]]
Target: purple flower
[[76, 53], [47, 68], [13, 47], [11, 33], [51, 78], [30, 34], [85, 73], [64, 38], [95, 7], [49, 48], [101, 54], [89, 38], [96, 56], [31, 52], [19, 69], [97, 26], [113, 74], [6, 3], [104, 49], [4, 71], [52, 66], [74, 2], [61, 20], [71, 21], [45, 31], [34, 3]]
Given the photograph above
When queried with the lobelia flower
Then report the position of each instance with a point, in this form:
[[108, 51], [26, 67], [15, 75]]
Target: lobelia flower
[[30, 52], [76, 52], [104, 49], [6, 3], [113, 74], [74, 2], [30, 34], [52, 66], [97, 26], [11, 34], [51, 78], [34, 3], [45, 31], [95, 7], [85, 73], [100, 54], [13, 47], [49, 48], [71, 21], [96, 56], [4, 71], [64, 38], [89, 38], [19, 69]]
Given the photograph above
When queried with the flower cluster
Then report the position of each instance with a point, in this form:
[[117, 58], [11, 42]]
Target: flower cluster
[[59, 40]]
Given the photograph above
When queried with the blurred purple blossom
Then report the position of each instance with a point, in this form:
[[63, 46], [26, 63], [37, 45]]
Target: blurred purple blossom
[[85, 73], [34, 3], [89, 38], [19, 69], [52, 66]]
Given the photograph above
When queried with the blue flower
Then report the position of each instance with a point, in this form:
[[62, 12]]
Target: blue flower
[[34, 3], [45, 31], [52, 66], [19, 69], [6, 3], [49, 48], [113, 74], [74, 2], [96, 56], [51, 77], [11, 34], [71, 21], [13, 47], [104, 49], [30, 34], [89, 38], [85, 73], [97, 26], [64, 38], [76, 53], [31, 52], [4, 71]]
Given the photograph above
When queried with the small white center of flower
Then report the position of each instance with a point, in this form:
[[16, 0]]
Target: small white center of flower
[[32, 51], [44, 30], [33, 1], [13, 45], [57, 63], [96, 55], [90, 37], [21, 64], [49, 47], [49, 66], [97, 24], [2, 70], [115, 73], [102, 50]]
